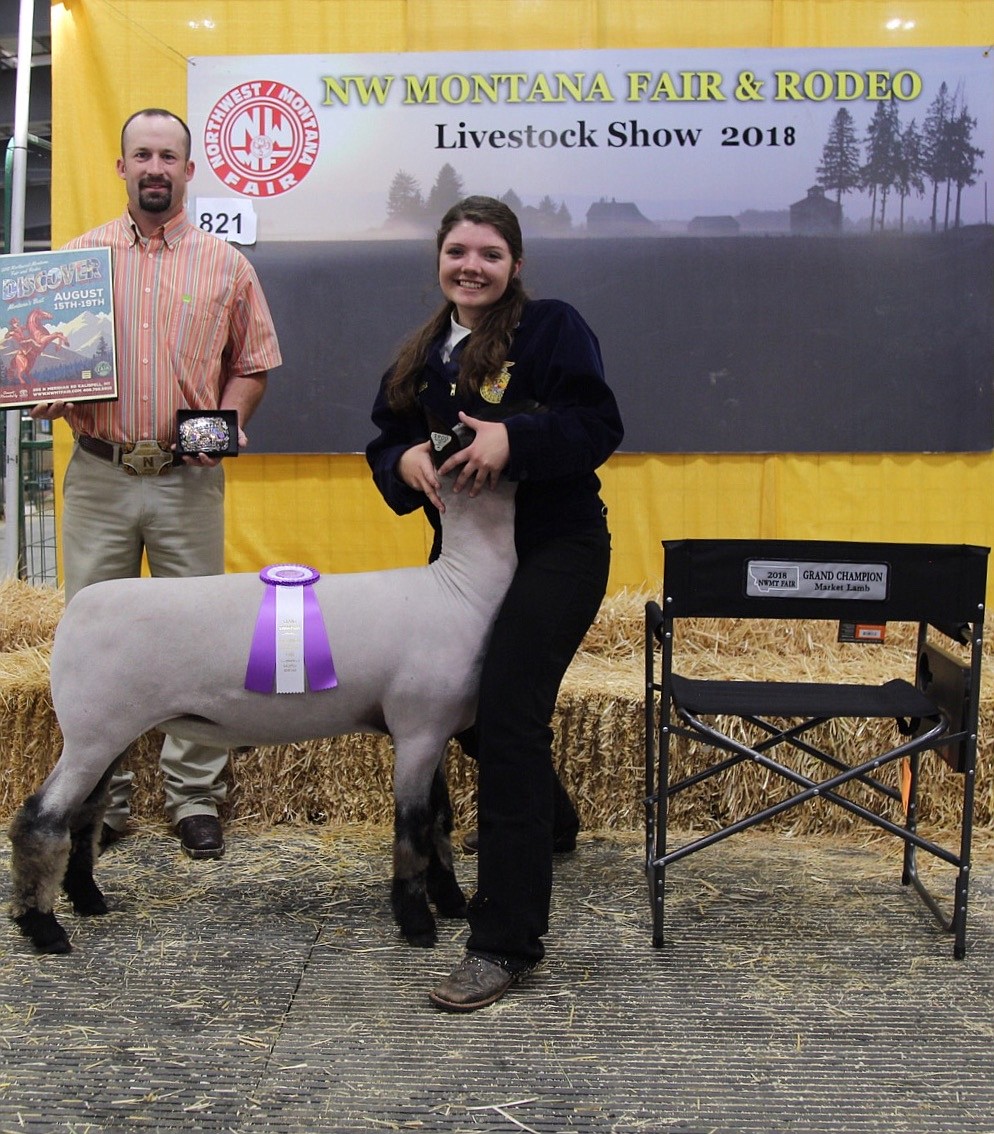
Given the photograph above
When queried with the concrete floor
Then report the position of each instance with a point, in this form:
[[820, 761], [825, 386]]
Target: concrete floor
[[802, 989]]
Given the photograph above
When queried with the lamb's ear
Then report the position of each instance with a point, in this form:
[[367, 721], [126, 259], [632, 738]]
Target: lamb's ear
[[446, 439]]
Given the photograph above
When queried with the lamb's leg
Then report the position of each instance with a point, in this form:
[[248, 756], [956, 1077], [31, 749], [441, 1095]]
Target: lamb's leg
[[411, 855], [443, 889], [78, 883], [38, 862], [48, 849]]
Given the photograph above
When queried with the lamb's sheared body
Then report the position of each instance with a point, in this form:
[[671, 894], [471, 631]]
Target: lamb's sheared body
[[135, 654]]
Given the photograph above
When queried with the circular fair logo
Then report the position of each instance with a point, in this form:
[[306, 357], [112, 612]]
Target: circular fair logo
[[261, 139]]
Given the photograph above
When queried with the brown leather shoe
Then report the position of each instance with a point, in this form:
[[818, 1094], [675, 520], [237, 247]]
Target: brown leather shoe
[[201, 836], [474, 983]]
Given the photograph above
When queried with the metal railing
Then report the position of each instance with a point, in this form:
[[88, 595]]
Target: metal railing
[[26, 457], [33, 526]]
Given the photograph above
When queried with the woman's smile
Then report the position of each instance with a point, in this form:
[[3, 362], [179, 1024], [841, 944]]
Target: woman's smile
[[474, 268]]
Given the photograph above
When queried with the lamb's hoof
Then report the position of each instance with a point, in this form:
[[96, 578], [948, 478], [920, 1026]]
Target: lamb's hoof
[[444, 893], [46, 934], [421, 940], [87, 900], [409, 903], [451, 904]]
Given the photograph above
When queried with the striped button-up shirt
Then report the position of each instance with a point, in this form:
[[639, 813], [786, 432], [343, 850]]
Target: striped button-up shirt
[[188, 314]]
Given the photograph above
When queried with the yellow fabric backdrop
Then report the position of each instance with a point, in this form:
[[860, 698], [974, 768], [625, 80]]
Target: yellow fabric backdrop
[[114, 56]]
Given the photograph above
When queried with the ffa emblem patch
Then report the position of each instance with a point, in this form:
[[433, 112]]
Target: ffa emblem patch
[[492, 390]]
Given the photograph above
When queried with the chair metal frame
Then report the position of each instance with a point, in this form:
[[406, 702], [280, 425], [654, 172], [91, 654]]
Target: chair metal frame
[[941, 587]]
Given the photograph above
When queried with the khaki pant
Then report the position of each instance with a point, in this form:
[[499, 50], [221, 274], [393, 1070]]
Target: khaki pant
[[109, 520]]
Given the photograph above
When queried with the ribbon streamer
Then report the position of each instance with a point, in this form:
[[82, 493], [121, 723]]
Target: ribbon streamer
[[289, 639]]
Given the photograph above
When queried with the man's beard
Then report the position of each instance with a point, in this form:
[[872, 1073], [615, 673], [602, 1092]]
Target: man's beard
[[157, 203]]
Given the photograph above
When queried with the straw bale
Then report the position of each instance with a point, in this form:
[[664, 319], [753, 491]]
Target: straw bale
[[29, 734], [598, 730], [28, 614], [618, 631]]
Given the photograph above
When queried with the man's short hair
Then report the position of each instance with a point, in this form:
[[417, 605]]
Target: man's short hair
[[158, 112]]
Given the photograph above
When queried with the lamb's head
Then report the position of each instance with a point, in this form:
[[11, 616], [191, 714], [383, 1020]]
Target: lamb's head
[[449, 439]]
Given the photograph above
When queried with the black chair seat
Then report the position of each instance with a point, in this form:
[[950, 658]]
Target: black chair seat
[[897, 698]]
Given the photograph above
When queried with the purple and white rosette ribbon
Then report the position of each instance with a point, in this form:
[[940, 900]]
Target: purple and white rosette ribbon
[[290, 639]]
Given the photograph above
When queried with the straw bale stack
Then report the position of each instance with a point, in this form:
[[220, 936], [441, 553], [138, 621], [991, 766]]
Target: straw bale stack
[[599, 731], [28, 614]]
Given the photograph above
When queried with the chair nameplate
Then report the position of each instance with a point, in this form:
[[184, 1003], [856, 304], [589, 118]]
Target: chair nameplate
[[793, 578]]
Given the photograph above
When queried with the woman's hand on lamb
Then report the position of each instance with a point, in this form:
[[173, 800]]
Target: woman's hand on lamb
[[417, 470], [484, 459]]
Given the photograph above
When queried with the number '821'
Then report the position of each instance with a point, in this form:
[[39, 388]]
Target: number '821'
[[755, 136], [221, 224]]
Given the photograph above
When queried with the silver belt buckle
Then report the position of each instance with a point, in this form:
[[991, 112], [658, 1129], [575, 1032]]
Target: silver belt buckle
[[146, 458]]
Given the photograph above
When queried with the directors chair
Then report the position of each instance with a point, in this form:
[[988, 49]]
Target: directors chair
[[769, 724]]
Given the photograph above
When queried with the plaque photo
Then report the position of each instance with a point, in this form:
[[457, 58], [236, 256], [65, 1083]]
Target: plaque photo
[[57, 328]]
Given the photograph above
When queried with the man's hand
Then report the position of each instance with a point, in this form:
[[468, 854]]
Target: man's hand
[[49, 411]]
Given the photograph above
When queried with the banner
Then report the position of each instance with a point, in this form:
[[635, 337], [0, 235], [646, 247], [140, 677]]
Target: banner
[[662, 177]]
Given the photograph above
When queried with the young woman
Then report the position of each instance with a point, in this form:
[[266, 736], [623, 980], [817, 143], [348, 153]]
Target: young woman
[[491, 351]]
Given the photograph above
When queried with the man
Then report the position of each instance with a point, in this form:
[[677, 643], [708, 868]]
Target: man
[[193, 332]]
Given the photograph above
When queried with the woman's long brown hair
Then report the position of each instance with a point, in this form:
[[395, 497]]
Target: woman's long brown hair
[[486, 348]]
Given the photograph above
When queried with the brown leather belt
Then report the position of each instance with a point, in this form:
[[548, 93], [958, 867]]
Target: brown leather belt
[[143, 458]]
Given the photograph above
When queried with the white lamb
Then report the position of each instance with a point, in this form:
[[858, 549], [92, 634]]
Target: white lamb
[[135, 654]]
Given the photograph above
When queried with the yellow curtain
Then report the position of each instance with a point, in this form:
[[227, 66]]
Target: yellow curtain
[[114, 56]]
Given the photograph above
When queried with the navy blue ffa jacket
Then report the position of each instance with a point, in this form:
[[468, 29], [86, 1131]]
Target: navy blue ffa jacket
[[554, 360]]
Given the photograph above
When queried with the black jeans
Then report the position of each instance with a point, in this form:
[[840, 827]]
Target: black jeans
[[565, 821], [554, 597]]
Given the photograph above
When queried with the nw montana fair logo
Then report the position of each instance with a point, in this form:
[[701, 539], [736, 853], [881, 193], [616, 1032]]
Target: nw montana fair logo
[[261, 139]]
